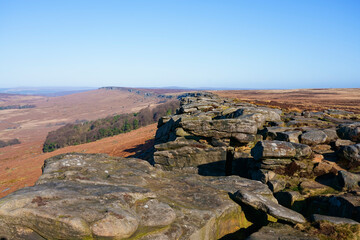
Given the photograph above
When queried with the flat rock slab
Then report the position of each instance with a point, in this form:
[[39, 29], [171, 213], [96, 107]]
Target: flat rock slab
[[334, 220], [280, 149], [221, 128], [92, 196], [272, 208]]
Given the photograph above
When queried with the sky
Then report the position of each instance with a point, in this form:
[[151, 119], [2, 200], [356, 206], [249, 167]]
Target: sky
[[253, 44]]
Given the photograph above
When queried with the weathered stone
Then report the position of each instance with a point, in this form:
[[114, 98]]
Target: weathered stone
[[313, 137], [334, 220], [220, 142], [350, 155], [243, 138], [181, 133], [262, 175], [314, 188], [189, 156], [272, 208], [270, 114], [280, 149], [83, 196], [277, 231], [337, 112], [343, 205], [341, 142], [325, 167], [322, 149], [331, 135], [288, 198], [350, 131], [308, 122], [220, 128], [270, 133], [290, 136], [348, 181], [276, 185], [258, 118]]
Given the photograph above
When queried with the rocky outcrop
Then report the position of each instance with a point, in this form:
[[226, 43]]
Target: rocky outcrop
[[82, 196], [213, 123]]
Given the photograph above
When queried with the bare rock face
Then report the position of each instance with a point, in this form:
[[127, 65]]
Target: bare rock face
[[83, 196], [349, 131]]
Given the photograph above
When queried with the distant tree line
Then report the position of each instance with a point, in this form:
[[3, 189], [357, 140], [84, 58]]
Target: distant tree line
[[9, 143], [89, 131], [17, 106]]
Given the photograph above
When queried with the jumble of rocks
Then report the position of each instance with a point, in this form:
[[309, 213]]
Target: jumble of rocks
[[219, 166], [306, 158]]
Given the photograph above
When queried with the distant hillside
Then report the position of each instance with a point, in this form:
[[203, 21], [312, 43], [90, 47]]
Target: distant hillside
[[45, 91], [89, 131]]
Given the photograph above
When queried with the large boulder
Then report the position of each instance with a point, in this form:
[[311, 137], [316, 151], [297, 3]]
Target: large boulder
[[269, 206], [350, 155], [313, 137], [349, 131], [348, 181], [280, 149], [83, 196]]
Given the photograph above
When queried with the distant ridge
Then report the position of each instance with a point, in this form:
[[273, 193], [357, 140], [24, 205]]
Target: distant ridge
[[45, 91]]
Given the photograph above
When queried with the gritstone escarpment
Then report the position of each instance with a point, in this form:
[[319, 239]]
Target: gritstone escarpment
[[285, 167]]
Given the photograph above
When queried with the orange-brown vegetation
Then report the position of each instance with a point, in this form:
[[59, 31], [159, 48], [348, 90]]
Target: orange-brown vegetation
[[301, 99], [20, 169]]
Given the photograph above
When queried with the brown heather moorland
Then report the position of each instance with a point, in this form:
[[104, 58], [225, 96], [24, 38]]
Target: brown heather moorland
[[301, 99]]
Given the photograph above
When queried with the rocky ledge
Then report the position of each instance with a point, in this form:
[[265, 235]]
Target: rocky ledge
[[83, 196]]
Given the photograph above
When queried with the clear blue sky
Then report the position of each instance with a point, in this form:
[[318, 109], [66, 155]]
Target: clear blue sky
[[187, 43]]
